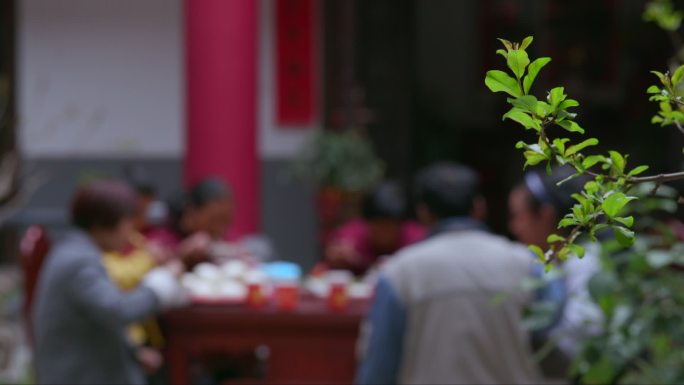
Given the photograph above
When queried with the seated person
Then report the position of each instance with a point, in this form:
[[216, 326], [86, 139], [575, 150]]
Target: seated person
[[200, 226], [79, 315], [128, 267], [536, 206], [382, 231], [151, 211]]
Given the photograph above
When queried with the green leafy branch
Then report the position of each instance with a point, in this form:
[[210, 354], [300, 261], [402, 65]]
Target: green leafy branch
[[603, 200]]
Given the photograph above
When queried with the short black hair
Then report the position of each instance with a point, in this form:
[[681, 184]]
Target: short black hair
[[544, 188], [447, 189], [208, 190], [139, 180], [177, 204], [102, 204], [385, 201]]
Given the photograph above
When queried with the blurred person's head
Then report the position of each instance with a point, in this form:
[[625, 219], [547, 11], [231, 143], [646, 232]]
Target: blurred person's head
[[210, 207], [448, 190], [106, 210], [145, 193], [178, 206], [538, 203], [384, 209]]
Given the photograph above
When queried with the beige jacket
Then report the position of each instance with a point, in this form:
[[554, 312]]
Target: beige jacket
[[456, 331]]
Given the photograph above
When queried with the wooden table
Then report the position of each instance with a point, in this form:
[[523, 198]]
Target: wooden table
[[311, 344]]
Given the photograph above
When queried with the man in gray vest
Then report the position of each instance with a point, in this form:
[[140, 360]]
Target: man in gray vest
[[434, 319]]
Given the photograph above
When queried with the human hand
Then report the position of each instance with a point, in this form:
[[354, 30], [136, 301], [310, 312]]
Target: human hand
[[150, 359], [342, 252], [175, 267], [195, 245], [159, 253]]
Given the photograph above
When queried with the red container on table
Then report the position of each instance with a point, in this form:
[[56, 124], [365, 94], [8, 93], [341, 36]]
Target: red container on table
[[337, 297], [255, 296], [338, 283], [287, 296]]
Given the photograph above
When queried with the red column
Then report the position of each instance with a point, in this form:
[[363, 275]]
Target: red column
[[221, 134]]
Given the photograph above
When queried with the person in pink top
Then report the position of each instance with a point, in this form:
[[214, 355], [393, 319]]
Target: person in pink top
[[382, 231]]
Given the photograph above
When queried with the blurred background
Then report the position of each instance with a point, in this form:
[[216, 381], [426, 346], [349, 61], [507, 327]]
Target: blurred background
[[242, 89], [92, 87]]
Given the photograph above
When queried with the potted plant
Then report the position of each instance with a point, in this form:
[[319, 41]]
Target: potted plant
[[343, 165]]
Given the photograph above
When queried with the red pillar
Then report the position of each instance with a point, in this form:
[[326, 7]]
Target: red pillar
[[221, 134]]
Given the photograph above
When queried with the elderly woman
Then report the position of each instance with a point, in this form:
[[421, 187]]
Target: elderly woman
[[200, 227], [80, 316]]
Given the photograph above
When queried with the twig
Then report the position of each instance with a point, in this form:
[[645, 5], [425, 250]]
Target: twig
[[568, 241], [679, 126], [655, 189], [659, 179]]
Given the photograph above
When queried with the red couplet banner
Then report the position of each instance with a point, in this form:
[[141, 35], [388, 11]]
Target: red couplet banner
[[296, 62]]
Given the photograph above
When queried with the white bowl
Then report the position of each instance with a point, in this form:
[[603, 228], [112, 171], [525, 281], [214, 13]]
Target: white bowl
[[208, 271], [234, 269]]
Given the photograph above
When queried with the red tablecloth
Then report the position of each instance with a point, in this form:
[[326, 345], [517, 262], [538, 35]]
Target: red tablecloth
[[311, 344]]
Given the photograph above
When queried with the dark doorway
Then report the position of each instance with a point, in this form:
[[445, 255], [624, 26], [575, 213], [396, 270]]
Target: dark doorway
[[421, 64]]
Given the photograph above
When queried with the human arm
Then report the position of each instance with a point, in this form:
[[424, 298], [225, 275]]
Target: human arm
[[387, 321]]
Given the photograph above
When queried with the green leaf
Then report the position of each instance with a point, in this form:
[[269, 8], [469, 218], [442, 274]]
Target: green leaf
[[591, 161], [521, 145], [568, 103], [577, 250], [537, 251], [523, 118], [614, 203], [567, 222], [533, 158], [553, 238], [663, 79], [677, 75], [666, 107], [627, 221], [638, 170], [517, 61], [653, 90], [581, 146], [601, 372], [526, 42], [625, 237], [526, 102], [592, 187], [571, 126], [559, 143], [499, 81], [502, 52], [532, 72], [543, 108], [556, 96], [506, 43], [618, 162]]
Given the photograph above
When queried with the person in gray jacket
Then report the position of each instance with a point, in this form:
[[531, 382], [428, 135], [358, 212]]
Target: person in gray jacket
[[79, 315], [433, 319]]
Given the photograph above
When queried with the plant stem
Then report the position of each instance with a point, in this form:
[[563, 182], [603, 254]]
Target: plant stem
[[568, 241], [679, 126], [660, 178]]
